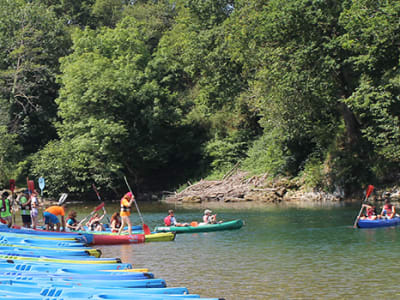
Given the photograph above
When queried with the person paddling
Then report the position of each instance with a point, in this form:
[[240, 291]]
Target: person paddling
[[370, 211], [126, 203]]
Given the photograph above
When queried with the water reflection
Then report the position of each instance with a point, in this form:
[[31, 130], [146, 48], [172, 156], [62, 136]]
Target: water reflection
[[283, 252]]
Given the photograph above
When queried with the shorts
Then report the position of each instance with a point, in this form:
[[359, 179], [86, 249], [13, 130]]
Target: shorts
[[26, 219], [49, 218], [34, 212]]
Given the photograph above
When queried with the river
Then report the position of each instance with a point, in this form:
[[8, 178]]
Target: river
[[282, 252]]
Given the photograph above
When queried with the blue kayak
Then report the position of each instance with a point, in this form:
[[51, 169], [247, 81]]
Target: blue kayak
[[40, 242], [20, 265], [57, 258], [31, 288], [13, 289], [81, 276], [46, 252], [48, 235], [88, 282], [366, 223]]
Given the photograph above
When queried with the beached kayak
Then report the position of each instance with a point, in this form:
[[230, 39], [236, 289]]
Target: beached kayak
[[25, 290], [60, 260], [378, 223], [68, 251], [21, 265], [230, 225]]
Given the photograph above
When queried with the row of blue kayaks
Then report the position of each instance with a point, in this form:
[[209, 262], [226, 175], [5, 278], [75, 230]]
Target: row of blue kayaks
[[59, 266]]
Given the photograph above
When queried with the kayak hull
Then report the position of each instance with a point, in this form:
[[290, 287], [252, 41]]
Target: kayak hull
[[107, 239], [378, 223], [230, 225]]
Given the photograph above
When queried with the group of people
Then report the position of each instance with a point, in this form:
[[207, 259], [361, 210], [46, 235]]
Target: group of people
[[208, 218], [28, 203], [388, 211], [118, 220], [54, 216]]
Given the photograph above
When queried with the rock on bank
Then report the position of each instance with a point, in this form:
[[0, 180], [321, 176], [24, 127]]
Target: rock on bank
[[239, 187]]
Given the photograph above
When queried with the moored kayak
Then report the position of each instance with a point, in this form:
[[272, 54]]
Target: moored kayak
[[230, 225], [366, 223], [60, 260], [69, 251], [107, 239], [21, 265], [160, 237]]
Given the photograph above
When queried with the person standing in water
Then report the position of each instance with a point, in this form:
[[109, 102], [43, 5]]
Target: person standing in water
[[126, 203]]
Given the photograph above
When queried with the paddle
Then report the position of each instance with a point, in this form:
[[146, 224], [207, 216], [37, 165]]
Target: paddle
[[62, 199], [146, 228], [92, 213], [41, 185], [98, 197], [369, 191]]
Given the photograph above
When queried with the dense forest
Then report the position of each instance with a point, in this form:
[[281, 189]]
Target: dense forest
[[166, 91]]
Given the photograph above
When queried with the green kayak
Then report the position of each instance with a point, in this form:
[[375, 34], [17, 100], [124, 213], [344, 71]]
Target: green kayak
[[235, 224]]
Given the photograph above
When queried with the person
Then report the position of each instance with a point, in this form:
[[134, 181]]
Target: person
[[51, 219], [388, 209], [5, 209], [72, 224], [170, 220], [34, 208], [94, 223], [370, 212], [208, 218], [24, 202], [115, 222], [126, 203]]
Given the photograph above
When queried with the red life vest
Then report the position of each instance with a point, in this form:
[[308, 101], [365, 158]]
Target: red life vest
[[167, 220], [370, 212]]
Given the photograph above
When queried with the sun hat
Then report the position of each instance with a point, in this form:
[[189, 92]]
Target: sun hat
[[207, 211]]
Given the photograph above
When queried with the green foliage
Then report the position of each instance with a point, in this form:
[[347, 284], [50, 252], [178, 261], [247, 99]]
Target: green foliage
[[9, 156], [168, 90], [267, 155]]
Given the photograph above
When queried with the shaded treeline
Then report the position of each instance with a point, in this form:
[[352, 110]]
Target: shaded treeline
[[170, 91]]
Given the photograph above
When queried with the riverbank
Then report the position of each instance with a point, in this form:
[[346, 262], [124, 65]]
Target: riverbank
[[239, 187]]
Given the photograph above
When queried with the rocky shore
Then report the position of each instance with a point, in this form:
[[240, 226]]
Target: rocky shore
[[239, 187]]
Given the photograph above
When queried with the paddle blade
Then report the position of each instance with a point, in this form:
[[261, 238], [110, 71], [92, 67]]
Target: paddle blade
[[194, 224], [31, 186], [12, 185], [99, 207], [369, 191], [146, 229]]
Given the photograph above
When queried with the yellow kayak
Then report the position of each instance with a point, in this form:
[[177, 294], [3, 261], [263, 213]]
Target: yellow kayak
[[160, 237]]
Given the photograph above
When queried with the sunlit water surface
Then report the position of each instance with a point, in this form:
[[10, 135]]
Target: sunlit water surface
[[282, 252]]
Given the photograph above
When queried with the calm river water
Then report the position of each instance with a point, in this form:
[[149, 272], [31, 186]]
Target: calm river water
[[283, 252]]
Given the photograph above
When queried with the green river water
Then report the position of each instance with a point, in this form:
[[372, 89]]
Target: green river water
[[282, 252]]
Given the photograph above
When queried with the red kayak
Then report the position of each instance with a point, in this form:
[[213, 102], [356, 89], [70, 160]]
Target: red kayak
[[107, 239]]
